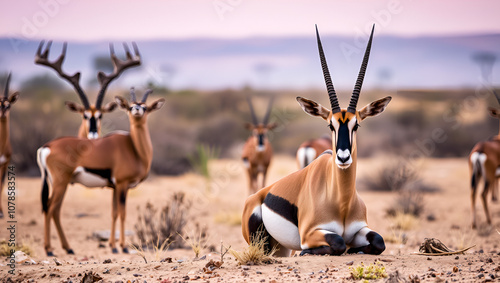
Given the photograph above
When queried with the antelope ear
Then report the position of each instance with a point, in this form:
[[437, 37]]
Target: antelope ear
[[13, 98], [110, 107], [122, 102], [374, 108], [156, 105], [494, 112], [74, 107], [272, 126], [313, 108]]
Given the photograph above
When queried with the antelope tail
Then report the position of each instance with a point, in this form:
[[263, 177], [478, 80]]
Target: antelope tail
[[41, 155], [477, 159]]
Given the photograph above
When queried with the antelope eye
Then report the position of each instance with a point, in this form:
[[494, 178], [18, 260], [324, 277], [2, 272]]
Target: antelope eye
[[355, 127], [331, 127]]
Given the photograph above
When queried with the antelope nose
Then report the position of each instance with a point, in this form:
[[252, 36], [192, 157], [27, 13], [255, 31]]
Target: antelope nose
[[343, 156], [343, 159]]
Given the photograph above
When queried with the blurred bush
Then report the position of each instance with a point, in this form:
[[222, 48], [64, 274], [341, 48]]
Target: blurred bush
[[216, 118]]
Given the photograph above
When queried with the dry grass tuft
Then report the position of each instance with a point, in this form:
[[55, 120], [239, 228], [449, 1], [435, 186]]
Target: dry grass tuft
[[404, 221], [153, 231], [197, 240], [255, 253], [233, 218], [396, 177], [5, 249], [397, 237], [408, 202]]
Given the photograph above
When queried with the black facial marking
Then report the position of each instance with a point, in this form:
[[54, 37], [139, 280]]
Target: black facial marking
[[103, 173], [282, 207], [261, 139], [343, 141], [92, 125]]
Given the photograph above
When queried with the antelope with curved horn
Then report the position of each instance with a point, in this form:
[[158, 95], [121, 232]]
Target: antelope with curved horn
[[118, 161], [91, 114], [484, 162], [311, 149], [5, 147], [317, 209], [257, 151]]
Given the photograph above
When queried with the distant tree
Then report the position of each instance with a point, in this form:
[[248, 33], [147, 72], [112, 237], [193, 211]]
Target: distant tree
[[44, 81], [485, 60]]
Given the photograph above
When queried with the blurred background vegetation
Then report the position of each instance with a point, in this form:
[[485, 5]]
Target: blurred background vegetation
[[215, 118]]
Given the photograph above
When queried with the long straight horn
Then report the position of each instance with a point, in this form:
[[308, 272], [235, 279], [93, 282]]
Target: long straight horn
[[359, 82], [268, 111], [328, 80], [6, 92], [145, 95], [496, 95], [252, 112], [133, 98]]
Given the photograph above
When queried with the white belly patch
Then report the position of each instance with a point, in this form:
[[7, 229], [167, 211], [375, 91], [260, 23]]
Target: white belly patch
[[282, 230], [88, 179]]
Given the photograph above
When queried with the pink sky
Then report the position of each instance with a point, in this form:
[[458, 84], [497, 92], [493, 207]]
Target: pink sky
[[180, 19]]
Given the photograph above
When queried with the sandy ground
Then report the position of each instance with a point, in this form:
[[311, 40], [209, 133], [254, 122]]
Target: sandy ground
[[85, 211]]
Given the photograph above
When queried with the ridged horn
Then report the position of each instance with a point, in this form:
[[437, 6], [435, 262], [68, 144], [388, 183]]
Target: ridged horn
[[359, 82], [6, 91], [252, 112], [328, 80], [268, 111]]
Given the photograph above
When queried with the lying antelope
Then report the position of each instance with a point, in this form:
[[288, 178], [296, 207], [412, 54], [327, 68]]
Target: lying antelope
[[317, 209], [484, 162], [91, 114], [257, 151], [5, 147], [309, 150], [119, 161]]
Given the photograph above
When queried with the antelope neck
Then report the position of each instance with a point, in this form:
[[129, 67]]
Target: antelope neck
[[139, 133], [4, 133]]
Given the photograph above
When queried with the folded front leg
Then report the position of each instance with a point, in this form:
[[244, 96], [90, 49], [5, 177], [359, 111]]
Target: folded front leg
[[367, 242], [321, 242]]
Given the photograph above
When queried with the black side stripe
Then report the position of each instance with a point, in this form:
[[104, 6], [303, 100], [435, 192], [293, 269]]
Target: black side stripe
[[103, 173], [282, 207]]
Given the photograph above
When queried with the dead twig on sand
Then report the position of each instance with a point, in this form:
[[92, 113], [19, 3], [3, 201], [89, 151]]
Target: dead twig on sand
[[434, 247]]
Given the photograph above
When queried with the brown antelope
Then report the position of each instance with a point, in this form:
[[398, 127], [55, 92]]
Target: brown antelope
[[119, 161], [484, 162], [91, 114], [5, 147], [257, 151], [317, 209], [309, 150]]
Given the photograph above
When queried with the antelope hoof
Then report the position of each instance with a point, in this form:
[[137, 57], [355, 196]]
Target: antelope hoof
[[114, 250], [125, 250], [70, 251], [50, 254]]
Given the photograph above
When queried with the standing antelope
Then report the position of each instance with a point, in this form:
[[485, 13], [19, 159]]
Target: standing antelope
[[309, 150], [317, 209], [91, 114], [484, 162], [119, 161], [5, 147], [257, 151]]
